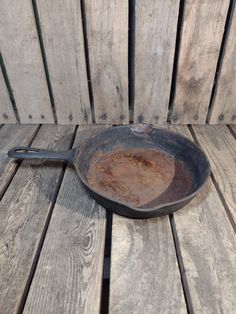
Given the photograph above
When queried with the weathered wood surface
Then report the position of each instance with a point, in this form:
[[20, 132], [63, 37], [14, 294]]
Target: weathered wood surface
[[7, 114], [69, 272], [224, 109], [61, 25], [220, 147], [233, 127], [207, 244], [107, 25], [22, 56], [24, 211], [201, 38], [155, 33], [10, 136], [144, 272]]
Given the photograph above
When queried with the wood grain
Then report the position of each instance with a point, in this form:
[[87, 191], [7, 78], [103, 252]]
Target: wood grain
[[155, 34], [7, 114], [24, 210], [201, 37], [74, 244], [224, 109], [22, 57], [10, 136], [144, 272], [207, 245], [220, 147], [107, 26], [61, 25]]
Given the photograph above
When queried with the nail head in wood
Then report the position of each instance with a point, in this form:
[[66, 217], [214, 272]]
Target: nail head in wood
[[104, 116], [175, 116], [221, 117]]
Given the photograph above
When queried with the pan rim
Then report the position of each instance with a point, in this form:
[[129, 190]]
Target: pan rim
[[161, 206]]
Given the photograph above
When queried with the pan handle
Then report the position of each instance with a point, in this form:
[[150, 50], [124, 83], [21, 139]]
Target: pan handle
[[37, 153]]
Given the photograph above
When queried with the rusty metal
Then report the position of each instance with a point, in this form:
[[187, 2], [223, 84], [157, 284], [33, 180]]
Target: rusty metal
[[138, 177]]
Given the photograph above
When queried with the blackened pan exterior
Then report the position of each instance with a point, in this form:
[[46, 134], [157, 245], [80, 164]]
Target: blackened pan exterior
[[141, 136]]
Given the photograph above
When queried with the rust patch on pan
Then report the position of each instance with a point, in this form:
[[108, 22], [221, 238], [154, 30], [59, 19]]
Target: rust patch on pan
[[135, 176]]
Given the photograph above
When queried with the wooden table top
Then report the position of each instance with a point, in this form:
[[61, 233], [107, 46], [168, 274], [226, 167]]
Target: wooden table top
[[61, 252]]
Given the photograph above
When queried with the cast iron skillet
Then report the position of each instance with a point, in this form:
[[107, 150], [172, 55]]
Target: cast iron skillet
[[136, 171]]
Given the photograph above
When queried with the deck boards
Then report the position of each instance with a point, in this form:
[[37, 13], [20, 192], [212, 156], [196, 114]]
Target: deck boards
[[145, 275], [220, 147], [24, 210], [10, 136], [208, 248], [74, 244], [207, 244], [144, 270]]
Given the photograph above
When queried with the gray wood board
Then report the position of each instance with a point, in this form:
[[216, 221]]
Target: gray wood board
[[144, 271], [201, 37], [11, 136], [207, 244], [69, 273], [61, 25], [7, 114], [107, 25], [223, 108], [155, 35], [22, 56], [24, 210], [220, 147]]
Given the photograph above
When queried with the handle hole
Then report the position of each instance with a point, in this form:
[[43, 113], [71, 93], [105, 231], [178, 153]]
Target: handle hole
[[23, 150]]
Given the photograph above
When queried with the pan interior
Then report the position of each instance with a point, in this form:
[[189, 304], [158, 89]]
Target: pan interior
[[140, 166], [138, 177]]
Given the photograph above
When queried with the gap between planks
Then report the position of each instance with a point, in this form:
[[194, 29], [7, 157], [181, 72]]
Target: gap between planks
[[203, 265], [74, 242], [222, 178], [8, 168], [44, 232]]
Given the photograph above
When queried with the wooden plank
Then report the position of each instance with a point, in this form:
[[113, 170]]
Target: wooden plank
[[219, 145], [61, 25], [10, 136], [144, 272], [107, 25], [74, 243], [24, 211], [201, 38], [224, 109], [207, 245], [7, 114], [22, 57], [155, 33], [143, 260]]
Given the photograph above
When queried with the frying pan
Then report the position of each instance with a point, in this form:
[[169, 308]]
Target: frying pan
[[138, 171]]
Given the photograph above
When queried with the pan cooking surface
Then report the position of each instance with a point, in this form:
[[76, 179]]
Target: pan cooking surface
[[139, 177]]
